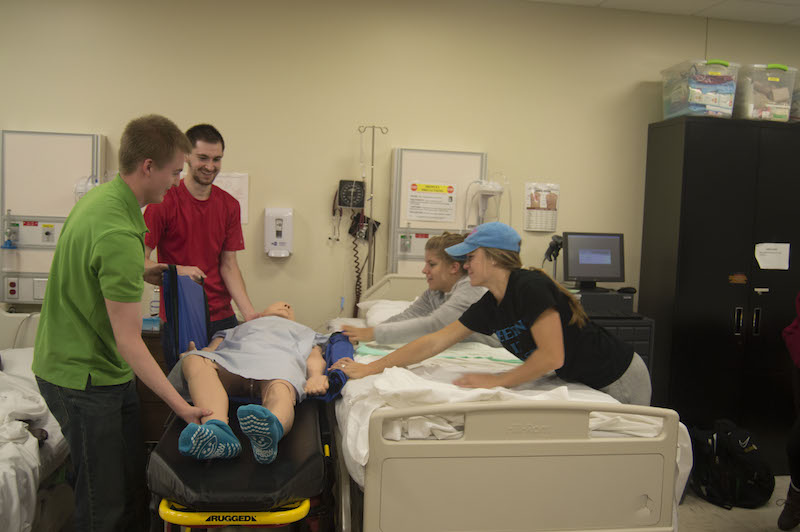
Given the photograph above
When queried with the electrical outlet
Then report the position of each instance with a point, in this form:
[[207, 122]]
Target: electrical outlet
[[12, 288]]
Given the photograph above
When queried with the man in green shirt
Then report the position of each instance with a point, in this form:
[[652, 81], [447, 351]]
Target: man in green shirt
[[88, 343]]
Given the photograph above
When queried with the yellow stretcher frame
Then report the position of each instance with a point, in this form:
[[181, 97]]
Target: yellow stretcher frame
[[176, 514]]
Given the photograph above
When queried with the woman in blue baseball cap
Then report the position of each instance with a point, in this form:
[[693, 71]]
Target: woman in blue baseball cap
[[535, 319]]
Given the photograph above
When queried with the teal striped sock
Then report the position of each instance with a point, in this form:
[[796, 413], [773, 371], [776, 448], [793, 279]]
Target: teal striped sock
[[212, 439], [263, 429]]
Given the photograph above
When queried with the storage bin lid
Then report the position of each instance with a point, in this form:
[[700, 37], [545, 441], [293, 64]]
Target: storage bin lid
[[777, 67], [773, 74], [710, 67]]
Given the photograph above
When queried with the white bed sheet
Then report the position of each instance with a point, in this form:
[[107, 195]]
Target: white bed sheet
[[431, 383], [23, 464]]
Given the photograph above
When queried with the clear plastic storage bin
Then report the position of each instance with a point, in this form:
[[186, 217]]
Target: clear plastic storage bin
[[794, 113], [705, 88], [765, 92]]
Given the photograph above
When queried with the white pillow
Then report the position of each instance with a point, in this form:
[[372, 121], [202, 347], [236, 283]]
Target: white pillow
[[18, 362], [366, 305], [336, 323], [383, 309]]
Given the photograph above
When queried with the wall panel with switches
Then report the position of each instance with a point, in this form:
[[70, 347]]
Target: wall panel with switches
[[42, 175], [24, 287]]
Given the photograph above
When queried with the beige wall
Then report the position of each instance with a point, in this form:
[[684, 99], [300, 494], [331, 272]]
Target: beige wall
[[562, 94]]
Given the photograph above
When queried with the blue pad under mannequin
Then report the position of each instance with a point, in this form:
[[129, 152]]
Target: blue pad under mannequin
[[186, 312], [212, 439], [263, 429]]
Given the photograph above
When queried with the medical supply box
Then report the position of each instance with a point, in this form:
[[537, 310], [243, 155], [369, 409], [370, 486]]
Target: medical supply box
[[700, 88], [764, 92]]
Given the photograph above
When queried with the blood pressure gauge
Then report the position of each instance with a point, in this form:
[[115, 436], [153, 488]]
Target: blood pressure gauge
[[351, 194]]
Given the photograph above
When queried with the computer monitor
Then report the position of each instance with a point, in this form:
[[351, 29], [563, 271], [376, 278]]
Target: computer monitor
[[593, 257]]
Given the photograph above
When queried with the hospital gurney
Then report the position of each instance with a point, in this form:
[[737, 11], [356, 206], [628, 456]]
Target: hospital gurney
[[239, 491]]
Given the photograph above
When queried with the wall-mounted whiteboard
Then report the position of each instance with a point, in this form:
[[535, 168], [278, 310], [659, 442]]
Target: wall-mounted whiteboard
[[432, 191], [40, 170]]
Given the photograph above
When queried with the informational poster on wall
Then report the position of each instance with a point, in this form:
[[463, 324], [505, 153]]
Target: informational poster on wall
[[541, 206], [432, 202], [235, 184]]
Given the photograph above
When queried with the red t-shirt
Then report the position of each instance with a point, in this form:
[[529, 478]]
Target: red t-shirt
[[191, 232]]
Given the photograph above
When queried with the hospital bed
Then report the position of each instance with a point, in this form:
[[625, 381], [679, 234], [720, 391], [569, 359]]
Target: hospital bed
[[417, 451], [34, 494]]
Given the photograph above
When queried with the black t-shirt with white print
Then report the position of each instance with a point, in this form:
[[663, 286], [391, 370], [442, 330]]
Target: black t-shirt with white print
[[591, 354]]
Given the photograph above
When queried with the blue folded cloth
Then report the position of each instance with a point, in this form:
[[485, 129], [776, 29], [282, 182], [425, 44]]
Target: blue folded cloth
[[338, 347]]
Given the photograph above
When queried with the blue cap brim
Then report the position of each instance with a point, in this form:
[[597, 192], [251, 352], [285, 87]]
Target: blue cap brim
[[459, 251]]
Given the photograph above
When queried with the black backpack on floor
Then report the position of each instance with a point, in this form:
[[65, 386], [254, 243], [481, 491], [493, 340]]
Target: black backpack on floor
[[728, 467]]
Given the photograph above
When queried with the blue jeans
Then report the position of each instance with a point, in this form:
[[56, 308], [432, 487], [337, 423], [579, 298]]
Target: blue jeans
[[101, 425]]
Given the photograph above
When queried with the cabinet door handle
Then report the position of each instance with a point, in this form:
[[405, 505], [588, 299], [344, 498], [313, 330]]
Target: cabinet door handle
[[756, 321], [738, 319]]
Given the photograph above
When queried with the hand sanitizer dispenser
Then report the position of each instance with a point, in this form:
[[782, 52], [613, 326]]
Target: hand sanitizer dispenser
[[277, 232]]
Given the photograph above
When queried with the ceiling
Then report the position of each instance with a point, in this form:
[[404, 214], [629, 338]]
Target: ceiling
[[762, 11]]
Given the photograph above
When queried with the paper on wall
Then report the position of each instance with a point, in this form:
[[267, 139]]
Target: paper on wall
[[235, 184], [541, 206], [772, 256], [431, 201]]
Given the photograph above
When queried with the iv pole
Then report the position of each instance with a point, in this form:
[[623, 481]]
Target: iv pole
[[370, 239]]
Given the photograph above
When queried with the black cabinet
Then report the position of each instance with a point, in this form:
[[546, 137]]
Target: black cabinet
[[153, 411], [636, 332], [714, 189]]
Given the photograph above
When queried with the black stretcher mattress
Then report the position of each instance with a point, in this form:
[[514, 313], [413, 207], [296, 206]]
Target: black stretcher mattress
[[242, 484]]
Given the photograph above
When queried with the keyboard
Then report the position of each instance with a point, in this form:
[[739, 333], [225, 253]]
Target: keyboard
[[613, 314]]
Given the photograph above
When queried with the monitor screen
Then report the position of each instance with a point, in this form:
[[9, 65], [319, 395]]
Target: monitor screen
[[593, 257]]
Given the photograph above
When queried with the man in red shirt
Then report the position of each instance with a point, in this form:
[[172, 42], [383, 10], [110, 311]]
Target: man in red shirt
[[197, 227]]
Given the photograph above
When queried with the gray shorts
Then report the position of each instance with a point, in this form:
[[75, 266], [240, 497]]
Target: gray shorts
[[244, 388], [633, 387]]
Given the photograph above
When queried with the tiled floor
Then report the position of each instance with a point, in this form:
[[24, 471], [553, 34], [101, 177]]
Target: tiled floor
[[697, 515]]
